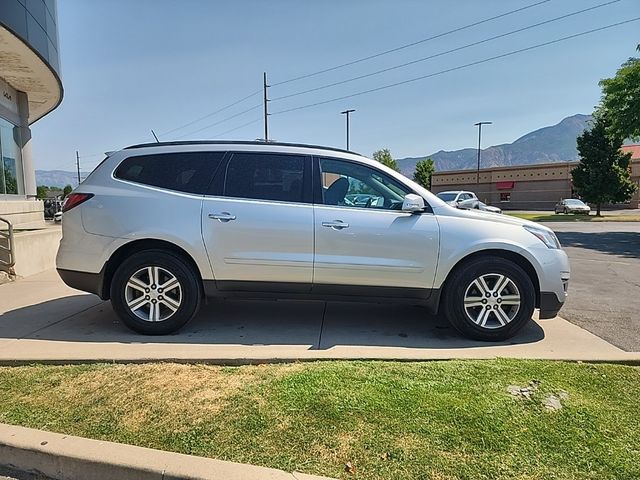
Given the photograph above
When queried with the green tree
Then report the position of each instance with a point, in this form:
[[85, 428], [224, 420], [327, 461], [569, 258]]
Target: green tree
[[385, 158], [424, 172], [67, 190], [42, 191], [621, 99], [603, 173]]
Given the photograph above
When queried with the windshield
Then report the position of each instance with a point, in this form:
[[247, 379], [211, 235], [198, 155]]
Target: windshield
[[447, 197], [574, 202]]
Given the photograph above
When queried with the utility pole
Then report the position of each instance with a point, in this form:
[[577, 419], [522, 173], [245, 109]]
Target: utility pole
[[347, 112], [479, 125], [266, 110], [78, 165]]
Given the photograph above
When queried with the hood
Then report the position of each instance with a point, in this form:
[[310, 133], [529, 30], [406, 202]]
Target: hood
[[486, 216]]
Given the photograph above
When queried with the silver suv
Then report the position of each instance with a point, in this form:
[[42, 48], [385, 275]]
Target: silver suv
[[157, 227]]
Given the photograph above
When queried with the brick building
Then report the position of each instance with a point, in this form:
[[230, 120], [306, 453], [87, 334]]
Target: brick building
[[526, 187]]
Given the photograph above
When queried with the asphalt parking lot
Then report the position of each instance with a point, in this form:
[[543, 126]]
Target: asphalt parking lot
[[604, 294]]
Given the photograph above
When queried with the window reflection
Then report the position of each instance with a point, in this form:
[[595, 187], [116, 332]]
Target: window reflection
[[11, 164]]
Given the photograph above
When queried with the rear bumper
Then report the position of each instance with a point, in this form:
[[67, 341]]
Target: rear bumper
[[550, 305], [85, 281]]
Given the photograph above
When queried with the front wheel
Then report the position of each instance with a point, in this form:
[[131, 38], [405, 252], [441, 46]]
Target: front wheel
[[489, 298], [155, 292]]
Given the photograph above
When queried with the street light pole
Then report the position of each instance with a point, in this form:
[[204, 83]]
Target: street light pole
[[479, 125], [347, 112]]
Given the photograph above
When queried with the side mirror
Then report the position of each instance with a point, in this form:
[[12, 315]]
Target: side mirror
[[413, 203]]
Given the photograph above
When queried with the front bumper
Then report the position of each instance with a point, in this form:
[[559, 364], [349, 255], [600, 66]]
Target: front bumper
[[550, 305], [554, 276]]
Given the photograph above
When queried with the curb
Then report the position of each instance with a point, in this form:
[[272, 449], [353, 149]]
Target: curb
[[64, 457]]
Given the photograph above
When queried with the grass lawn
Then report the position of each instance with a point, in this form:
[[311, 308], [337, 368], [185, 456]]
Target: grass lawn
[[571, 217], [434, 420]]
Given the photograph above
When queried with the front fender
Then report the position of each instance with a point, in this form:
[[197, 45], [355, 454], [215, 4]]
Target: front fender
[[461, 238]]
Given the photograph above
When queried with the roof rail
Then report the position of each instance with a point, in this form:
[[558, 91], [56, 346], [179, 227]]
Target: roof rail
[[235, 142]]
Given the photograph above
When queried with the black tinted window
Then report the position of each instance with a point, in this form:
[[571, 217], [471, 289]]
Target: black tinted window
[[185, 172], [265, 177]]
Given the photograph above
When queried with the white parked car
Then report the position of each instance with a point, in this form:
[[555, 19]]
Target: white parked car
[[572, 205], [488, 208], [459, 198], [158, 226]]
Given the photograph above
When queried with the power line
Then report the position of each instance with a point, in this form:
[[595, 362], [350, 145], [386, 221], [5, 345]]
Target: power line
[[92, 155], [402, 47], [220, 110], [459, 67], [457, 49], [237, 128], [221, 121]]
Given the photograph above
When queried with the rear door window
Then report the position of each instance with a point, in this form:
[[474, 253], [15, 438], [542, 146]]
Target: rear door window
[[189, 172], [263, 176]]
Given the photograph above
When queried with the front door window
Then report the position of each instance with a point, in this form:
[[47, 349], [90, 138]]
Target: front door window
[[354, 185]]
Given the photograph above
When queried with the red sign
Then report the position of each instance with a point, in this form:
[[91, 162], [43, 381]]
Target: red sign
[[505, 185]]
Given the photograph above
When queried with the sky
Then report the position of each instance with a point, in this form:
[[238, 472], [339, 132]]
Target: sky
[[129, 66]]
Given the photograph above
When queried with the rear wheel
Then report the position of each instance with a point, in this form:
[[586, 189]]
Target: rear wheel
[[155, 292], [489, 298]]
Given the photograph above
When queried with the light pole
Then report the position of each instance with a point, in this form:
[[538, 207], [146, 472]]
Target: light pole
[[347, 112], [479, 125]]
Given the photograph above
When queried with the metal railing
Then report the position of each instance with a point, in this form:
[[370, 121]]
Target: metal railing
[[7, 252]]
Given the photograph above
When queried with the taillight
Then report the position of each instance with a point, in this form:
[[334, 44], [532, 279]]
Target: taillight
[[75, 199]]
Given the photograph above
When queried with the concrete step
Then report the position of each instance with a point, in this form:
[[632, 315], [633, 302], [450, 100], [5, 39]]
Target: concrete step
[[23, 214], [35, 250]]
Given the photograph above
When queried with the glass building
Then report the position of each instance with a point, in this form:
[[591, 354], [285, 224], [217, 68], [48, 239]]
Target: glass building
[[30, 88]]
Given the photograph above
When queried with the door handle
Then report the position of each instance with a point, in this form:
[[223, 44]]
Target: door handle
[[223, 216], [336, 224]]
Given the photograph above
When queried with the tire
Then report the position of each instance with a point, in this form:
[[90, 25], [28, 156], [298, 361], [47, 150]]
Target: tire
[[133, 290], [499, 323], [566, 212]]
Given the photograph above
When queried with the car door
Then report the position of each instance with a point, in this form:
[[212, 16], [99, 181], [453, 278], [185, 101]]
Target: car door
[[257, 224], [370, 246], [465, 200]]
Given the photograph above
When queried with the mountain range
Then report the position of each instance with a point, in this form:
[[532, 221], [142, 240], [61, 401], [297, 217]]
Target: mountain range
[[58, 178], [556, 143]]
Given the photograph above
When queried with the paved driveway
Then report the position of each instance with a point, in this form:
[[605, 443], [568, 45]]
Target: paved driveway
[[604, 294], [43, 320]]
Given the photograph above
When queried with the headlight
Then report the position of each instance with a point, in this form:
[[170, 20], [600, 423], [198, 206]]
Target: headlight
[[546, 236]]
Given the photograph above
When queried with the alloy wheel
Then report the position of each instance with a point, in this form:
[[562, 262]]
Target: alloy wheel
[[153, 294], [492, 300]]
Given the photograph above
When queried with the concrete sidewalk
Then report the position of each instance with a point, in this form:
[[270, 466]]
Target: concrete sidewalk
[[42, 320], [74, 458]]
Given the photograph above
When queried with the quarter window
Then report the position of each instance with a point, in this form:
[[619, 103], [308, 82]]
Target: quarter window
[[353, 185], [266, 177], [189, 172]]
